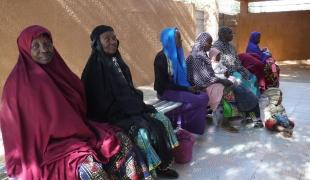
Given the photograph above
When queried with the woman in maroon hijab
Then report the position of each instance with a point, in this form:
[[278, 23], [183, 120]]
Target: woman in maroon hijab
[[44, 129]]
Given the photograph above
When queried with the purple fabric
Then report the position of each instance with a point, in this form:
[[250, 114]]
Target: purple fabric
[[253, 44], [192, 113], [253, 47]]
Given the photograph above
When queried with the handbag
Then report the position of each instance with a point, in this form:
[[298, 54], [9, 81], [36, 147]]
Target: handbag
[[184, 152]]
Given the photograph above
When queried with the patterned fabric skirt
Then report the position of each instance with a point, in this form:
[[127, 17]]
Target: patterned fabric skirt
[[90, 170], [172, 138], [143, 140], [144, 143], [127, 164], [230, 109]]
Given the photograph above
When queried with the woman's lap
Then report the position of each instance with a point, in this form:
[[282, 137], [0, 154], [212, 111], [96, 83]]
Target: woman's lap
[[215, 93], [193, 111], [185, 97]]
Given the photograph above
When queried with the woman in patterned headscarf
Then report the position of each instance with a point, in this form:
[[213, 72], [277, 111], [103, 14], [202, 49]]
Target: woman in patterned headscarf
[[201, 74], [229, 58]]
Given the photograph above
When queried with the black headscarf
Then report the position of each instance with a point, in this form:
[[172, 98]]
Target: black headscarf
[[223, 31], [111, 96], [110, 92], [99, 30]]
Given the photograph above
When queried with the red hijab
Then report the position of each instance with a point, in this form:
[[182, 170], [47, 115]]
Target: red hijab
[[43, 118]]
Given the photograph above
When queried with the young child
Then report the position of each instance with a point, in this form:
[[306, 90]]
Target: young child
[[219, 69], [276, 118]]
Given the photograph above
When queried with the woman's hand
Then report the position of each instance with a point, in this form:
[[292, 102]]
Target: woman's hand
[[194, 89]]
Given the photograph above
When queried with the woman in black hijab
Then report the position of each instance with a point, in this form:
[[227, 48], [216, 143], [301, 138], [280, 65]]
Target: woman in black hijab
[[112, 98]]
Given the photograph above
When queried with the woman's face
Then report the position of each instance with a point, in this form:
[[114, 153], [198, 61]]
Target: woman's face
[[42, 50], [108, 42], [208, 45], [178, 39], [228, 36]]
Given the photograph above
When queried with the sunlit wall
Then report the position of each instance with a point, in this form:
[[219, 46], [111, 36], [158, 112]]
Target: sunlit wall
[[286, 34], [137, 24]]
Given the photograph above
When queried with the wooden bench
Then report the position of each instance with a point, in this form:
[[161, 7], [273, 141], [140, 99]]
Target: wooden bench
[[166, 106], [150, 97]]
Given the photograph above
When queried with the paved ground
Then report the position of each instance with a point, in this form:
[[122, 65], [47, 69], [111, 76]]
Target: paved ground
[[295, 73], [257, 153]]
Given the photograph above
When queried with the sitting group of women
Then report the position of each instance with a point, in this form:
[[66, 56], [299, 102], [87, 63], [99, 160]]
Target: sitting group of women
[[212, 75], [56, 126]]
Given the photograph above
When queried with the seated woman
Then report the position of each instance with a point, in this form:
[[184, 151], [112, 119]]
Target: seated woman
[[171, 83], [201, 74], [230, 59], [44, 129], [271, 70], [256, 67], [236, 95], [111, 97], [253, 47]]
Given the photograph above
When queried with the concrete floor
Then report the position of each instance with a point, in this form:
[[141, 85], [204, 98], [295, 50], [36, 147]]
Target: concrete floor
[[257, 153]]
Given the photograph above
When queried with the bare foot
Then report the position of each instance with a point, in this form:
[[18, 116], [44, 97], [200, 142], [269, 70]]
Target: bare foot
[[287, 133], [228, 127]]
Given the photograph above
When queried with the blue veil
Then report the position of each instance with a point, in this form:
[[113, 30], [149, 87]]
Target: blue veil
[[175, 55]]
